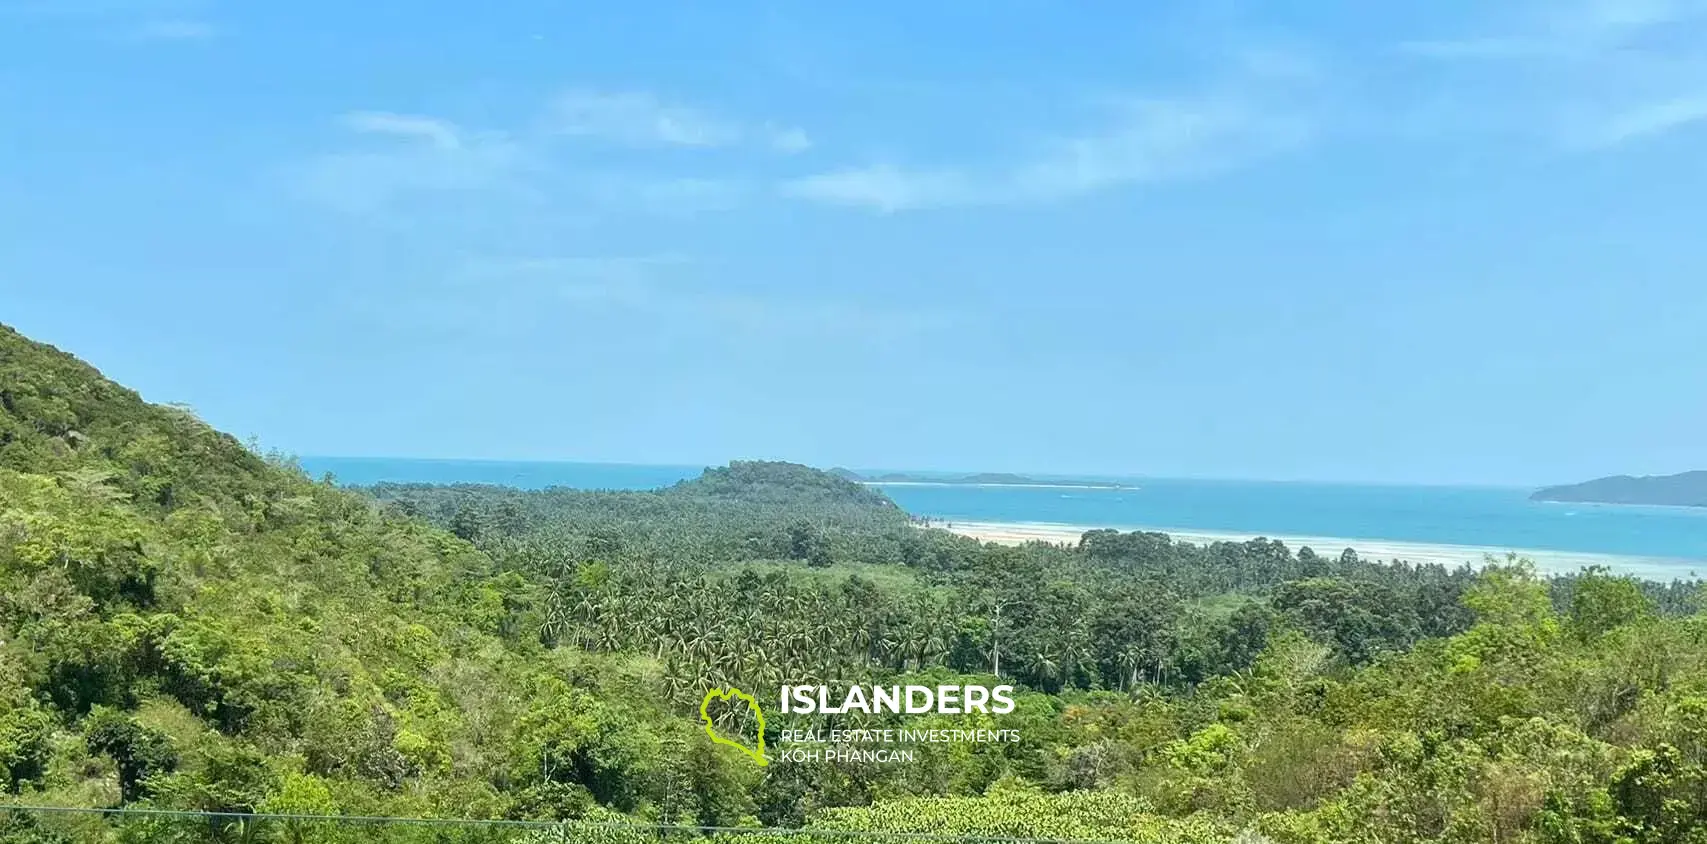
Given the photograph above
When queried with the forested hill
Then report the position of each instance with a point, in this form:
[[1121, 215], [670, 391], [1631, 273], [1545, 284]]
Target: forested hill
[[187, 625], [778, 482], [748, 510], [1686, 489], [58, 415]]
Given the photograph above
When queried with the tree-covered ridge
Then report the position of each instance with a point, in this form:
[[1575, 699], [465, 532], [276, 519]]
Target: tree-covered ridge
[[58, 415], [186, 624], [1685, 489], [776, 482], [252, 640]]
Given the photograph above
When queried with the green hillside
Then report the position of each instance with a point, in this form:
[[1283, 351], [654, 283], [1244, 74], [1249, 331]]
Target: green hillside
[[1685, 489], [187, 625]]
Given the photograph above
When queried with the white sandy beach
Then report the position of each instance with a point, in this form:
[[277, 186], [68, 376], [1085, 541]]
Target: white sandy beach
[[1000, 486], [1016, 533]]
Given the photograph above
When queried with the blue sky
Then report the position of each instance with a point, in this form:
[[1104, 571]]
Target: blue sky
[[1442, 242]]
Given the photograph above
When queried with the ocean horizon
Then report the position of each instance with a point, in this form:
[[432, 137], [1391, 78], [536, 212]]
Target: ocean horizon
[[1468, 516]]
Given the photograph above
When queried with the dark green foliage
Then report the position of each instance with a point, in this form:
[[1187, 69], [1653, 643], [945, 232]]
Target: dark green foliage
[[139, 752], [788, 484], [1361, 618], [1662, 798], [184, 624], [23, 828]]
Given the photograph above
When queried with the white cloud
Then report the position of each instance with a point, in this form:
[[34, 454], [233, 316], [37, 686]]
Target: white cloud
[[124, 21], [881, 187], [440, 133], [789, 140], [1147, 141], [644, 119], [424, 156], [109, 11], [1642, 121], [532, 168], [1586, 74], [416, 155], [1584, 30], [1159, 140], [1603, 15], [636, 118], [1251, 114], [436, 156]]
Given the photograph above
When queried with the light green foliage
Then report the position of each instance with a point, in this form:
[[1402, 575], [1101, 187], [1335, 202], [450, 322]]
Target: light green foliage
[[1095, 815], [215, 631], [26, 730], [1601, 603], [185, 624]]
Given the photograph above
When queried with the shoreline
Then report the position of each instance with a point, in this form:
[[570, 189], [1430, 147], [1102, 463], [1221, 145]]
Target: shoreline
[[1547, 561], [1696, 509], [1109, 488]]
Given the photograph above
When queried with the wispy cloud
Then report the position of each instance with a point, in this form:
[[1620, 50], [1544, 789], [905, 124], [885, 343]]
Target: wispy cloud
[[883, 187], [1586, 74], [1602, 16], [788, 139], [1143, 141], [1579, 29], [440, 133], [425, 156], [637, 118], [541, 160], [1157, 140], [119, 20], [644, 119], [1644, 120], [106, 10], [1255, 99]]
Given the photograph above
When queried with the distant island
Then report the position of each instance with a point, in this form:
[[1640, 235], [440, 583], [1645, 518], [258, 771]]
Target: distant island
[[979, 479], [1687, 489]]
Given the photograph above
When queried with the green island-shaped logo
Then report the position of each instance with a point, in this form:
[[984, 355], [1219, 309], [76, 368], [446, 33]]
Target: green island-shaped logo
[[725, 694]]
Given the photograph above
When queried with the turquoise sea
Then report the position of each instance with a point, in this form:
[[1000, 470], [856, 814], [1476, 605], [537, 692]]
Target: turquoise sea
[[1474, 516]]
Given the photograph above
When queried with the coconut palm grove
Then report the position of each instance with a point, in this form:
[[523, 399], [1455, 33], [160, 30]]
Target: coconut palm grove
[[188, 625]]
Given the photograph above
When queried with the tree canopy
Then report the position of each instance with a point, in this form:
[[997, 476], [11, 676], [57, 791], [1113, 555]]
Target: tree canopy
[[187, 624]]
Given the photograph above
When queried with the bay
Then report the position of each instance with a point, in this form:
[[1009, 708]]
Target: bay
[[1460, 516]]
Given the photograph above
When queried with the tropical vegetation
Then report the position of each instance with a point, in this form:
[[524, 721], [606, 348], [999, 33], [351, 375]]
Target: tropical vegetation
[[186, 624]]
